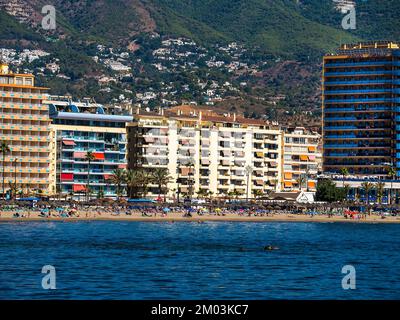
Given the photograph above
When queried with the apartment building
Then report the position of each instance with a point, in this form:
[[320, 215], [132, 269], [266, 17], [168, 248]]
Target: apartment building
[[25, 128], [302, 158], [81, 127], [203, 150]]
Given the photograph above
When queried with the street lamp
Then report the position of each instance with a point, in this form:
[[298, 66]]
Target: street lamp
[[249, 171], [15, 176]]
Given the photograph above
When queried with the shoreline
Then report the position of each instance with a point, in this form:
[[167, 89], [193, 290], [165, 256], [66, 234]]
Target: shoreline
[[171, 218]]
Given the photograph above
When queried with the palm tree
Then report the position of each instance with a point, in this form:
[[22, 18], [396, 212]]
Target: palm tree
[[380, 190], [202, 193], [392, 174], [4, 149], [132, 182], [210, 195], [258, 193], [161, 178], [89, 157], [236, 193], [300, 181], [344, 172], [144, 178], [367, 187], [118, 178]]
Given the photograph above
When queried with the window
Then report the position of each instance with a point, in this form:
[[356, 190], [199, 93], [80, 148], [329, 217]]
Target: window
[[19, 80], [29, 81]]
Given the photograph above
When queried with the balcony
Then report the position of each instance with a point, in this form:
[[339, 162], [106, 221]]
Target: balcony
[[359, 64], [355, 109], [358, 73], [362, 91], [360, 82], [359, 100]]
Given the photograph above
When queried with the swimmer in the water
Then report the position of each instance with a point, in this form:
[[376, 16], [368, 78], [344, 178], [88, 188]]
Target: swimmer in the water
[[270, 248]]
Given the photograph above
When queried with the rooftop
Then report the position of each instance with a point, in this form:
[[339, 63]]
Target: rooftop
[[201, 113], [371, 48]]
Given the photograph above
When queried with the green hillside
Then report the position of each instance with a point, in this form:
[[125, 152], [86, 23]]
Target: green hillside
[[279, 26]]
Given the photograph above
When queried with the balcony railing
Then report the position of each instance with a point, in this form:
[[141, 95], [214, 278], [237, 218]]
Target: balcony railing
[[355, 82], [359, 64], [355, 109], [359, 73], [353, 100]]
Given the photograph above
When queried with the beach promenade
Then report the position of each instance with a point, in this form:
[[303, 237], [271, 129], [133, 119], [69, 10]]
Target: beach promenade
[[179, 217]]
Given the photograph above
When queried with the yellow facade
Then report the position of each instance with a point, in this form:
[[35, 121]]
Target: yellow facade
[[25, 128]]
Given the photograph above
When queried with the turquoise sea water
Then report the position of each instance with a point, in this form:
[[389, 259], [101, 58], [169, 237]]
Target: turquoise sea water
[[213, 260]]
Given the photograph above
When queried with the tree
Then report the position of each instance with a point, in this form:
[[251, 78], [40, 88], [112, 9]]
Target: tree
[[161, 178], [89, 157], [380, 190], [392, 174], [4, 150], [100, 193], [328, 192], [258, 193], [202, 193], [300, 181], [132, 182], [344, 172], [144, 178], [118, 178], [367, 187]]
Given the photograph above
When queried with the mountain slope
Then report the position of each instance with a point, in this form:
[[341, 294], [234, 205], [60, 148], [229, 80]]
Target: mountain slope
[[278, 26]]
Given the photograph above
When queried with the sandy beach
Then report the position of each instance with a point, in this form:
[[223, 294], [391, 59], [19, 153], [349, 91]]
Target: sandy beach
[[178, 217]]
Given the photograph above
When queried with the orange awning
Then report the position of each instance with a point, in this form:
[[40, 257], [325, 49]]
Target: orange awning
[[79, 187], [288, 176], [303, 158], [288, 184], [185, 171], [69, 143], [98, 155], [312, 149], [311, 184]]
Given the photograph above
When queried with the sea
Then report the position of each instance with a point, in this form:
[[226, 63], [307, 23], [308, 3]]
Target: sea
[[189, 260]]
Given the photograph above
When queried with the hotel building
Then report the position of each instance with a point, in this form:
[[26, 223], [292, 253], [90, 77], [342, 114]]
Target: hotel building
[[80, 127], [203, 150], [25, 127], [361, 109]]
